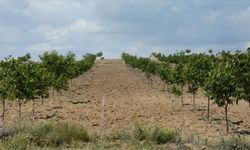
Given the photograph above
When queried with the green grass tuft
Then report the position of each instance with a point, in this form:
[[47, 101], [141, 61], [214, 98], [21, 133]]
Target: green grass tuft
[[162, 136]]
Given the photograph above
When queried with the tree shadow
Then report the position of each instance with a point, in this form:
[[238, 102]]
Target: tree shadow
[[243, 132], [200, 109]]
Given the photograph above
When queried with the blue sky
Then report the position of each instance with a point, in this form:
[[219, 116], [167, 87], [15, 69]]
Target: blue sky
[[114, 26]]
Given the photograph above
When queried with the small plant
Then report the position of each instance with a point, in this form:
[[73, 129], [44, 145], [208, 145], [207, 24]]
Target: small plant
[[162, 136], [140, 133], [176, 91], [121, 135], [233, 143], [53, 134], [18, 141]]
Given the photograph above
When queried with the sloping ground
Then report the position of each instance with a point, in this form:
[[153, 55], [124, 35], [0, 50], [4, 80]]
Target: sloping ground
[[114, 96]]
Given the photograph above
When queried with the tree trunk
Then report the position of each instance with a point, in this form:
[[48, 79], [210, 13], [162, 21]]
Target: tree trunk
[[208, 108], [71, 82], [193, 100], [182, 95], [52, 95], [160, 85], [20, 111], [42, 99], [33, 109], [3, 114], [70, 92], [237, 101], [226, 117]]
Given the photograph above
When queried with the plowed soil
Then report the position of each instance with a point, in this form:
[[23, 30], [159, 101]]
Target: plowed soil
[[115, 96]]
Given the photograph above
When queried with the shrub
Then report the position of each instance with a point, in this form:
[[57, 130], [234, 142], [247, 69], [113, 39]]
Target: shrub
[[53, 134], [162, 136], [140, 133], [121, 135], [18, 141], [233, 143]]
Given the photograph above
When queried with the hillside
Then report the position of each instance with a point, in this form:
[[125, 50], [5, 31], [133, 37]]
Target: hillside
[[128, 98]]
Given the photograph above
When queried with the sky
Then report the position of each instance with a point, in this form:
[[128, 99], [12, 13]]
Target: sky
[[138, 27]]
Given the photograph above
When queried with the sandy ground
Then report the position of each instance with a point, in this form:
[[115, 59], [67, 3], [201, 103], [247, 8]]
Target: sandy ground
[[114, 96]]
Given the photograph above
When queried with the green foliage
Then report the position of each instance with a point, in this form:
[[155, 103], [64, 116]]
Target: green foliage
[[221, 85], [57, 66], [22, 79], [232, 143], [176, 90], [52, 134], [144, 64], [140, 132], [99, 54], [162, 136], [17, 142], [121, 135], [165, 73], [241, 71], [197, 71]]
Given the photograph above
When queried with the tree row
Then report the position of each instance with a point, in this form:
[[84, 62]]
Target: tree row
[[22, 79], [224, 77]]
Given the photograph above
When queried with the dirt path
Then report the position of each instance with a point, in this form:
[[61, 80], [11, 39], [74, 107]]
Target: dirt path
[[129, 99]]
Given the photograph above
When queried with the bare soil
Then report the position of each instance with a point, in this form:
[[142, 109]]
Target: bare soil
[[115, 96]]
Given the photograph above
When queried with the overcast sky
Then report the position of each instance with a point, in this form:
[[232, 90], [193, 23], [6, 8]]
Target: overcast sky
[[113, 26]]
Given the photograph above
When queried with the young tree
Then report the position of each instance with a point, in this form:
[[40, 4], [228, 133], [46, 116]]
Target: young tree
[[165, 73], [17, 82], [241, 70], [57, 67], [197, 71], [179, 78], [44, 78], [221, 86], [4, 88]]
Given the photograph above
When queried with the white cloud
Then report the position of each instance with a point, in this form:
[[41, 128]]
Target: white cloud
[[240, 19], [54, 33], [247, 44], [83, 25], [212, 17], [50, 8], [41, 47], [48, 32], [174, 8]]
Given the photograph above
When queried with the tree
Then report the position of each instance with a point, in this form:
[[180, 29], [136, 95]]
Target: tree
[[57, 67], [179, 78], [44, 78], [164, 72], [241, 65], [220, 86], [18, 80], [196, 73], [4, 87]]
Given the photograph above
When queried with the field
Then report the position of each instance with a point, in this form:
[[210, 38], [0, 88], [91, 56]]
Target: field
[[113, 96]]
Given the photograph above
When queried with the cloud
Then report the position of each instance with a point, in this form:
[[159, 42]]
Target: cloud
[[174, 8], [83, 25], [114, 26], [54, 33], [41, 47], [240, 20], [247, 45]]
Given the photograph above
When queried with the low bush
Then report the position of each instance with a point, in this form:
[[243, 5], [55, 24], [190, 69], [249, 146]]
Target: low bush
[[141, 133], [121, 135], [162, 136], [18, 141], [238, 143], [53, 134]]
